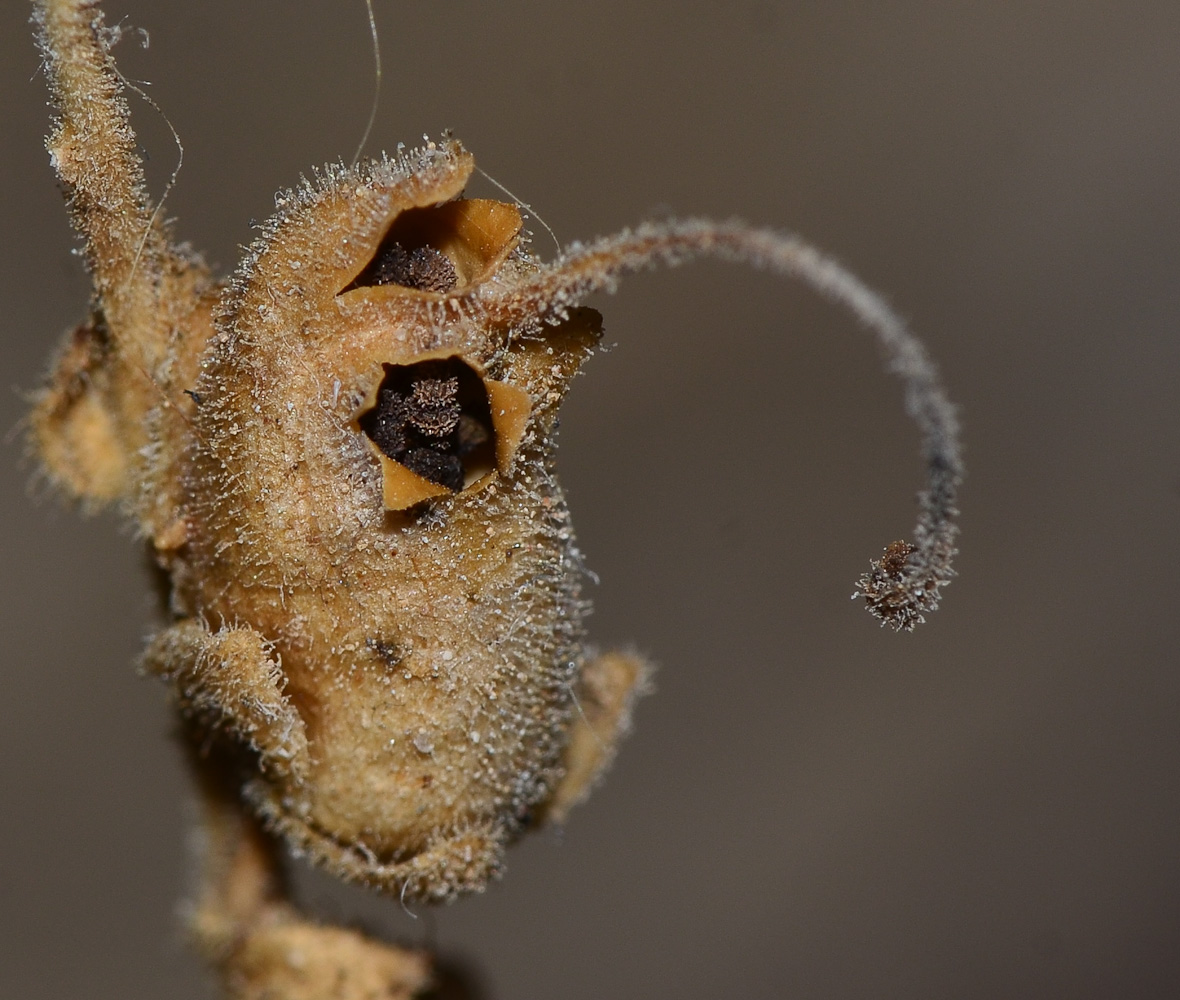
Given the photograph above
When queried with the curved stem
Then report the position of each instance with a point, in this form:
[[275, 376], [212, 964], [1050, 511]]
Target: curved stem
[[903, 585]]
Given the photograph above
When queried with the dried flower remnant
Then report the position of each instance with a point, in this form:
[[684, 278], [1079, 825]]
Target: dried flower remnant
[[343, 457]]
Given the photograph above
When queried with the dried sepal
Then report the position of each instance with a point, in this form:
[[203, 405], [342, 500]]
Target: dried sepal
[[606, 695], [74, 427]]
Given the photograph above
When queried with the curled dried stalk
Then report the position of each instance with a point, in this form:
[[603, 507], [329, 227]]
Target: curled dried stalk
[[342, 458], [904, 584]]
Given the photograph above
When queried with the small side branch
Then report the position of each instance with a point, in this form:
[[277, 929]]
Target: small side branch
[[901, 587], [93, 151]]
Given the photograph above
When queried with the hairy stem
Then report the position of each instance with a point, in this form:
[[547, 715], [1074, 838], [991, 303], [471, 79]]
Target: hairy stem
[[93, 150], [902, 586]]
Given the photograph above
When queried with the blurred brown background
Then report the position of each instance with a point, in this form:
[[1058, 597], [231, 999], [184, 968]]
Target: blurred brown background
[[810, 806]]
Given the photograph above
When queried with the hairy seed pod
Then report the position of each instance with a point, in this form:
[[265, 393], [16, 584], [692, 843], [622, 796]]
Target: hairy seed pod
[[343, 459], [428, 625]]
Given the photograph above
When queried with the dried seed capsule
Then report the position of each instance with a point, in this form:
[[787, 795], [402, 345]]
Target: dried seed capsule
[[344, 461]]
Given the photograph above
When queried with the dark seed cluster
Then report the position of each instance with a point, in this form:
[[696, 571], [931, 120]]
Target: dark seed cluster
[[424, 268], [430, 416]]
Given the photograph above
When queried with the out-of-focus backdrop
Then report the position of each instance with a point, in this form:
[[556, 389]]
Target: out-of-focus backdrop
[[810, 806]]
